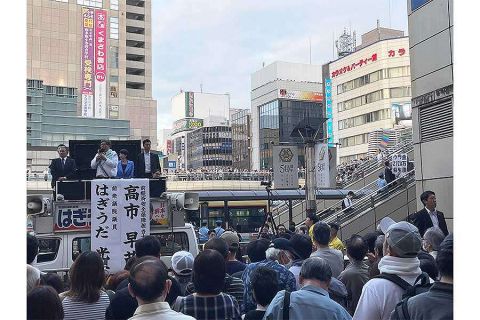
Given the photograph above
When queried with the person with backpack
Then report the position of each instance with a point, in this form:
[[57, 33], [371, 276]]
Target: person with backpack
[[437, 303], [312, 301], [399, 271]]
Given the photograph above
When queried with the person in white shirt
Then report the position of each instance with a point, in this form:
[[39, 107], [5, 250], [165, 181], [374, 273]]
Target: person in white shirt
[[400, 249], [149, 284], [105, 161], [347, 203]]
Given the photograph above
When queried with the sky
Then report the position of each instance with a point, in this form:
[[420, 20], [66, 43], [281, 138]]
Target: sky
[[219, 43]]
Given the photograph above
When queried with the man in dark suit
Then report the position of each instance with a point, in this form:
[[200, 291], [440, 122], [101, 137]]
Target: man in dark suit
[[429, 217], [147, 164], [62, 168], [389, 175]]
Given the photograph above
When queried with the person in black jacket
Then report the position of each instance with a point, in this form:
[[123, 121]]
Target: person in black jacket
[[389, 175], [62, 168], [429, 216], [147, 164]]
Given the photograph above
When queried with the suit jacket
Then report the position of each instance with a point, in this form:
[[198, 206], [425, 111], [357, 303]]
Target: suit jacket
[[58, 170], [129, 170], [422, 221], [389, 176], [140, 166]]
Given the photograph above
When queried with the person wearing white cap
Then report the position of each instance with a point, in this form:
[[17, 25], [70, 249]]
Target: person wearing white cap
[[182, 266], [400, 249]]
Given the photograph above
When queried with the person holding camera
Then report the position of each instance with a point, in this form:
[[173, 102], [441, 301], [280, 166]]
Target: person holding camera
[[105, 161]]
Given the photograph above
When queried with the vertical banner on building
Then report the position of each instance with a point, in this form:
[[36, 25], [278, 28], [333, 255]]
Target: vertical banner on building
[[120, 216], [332, 163], [322, 172], [285, 167], [189, 104], [328, 109], [399, 164], [87, 62], [100, 63]]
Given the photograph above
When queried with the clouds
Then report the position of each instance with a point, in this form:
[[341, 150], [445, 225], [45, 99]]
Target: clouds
[[220, 43]]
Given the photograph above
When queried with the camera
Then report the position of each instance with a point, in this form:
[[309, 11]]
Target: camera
[[266, 183]]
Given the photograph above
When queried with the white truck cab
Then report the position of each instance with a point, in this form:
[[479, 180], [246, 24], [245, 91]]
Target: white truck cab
[[61, 238]]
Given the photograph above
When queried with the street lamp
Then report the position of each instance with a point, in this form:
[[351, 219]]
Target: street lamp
[[308, 129]]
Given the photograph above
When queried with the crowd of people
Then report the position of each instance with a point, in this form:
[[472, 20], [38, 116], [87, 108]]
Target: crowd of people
[[398, 272]]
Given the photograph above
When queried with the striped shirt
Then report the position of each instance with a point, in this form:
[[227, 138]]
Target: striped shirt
[[75, 310], [220, 307], [233, 286]]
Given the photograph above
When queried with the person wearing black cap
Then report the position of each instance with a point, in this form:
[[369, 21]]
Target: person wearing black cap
[[401, 247], [437, 303]]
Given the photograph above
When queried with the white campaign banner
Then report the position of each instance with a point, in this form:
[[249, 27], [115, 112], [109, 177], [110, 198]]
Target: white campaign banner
[[285, 167], [120, 216], [322, 165], [399, 164]]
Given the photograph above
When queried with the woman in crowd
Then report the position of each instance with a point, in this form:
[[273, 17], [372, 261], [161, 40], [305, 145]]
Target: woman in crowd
[[125, 167], [43, 303], [86, 300]]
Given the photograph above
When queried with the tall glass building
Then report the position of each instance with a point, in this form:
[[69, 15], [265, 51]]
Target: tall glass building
[[283, 95], [241, 138], [209, 148]]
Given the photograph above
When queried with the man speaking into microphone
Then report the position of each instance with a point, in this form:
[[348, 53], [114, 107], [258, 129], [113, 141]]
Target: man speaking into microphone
[[105, 161]]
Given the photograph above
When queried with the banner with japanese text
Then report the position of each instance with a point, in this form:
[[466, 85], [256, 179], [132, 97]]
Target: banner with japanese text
[[120, 214], [322, 165], [399, 164], [285, 167], [100, 63], [87, 62]]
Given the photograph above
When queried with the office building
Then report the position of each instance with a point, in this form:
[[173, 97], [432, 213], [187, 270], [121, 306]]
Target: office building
[[430, 28], [103, 50], [193, 110], [210, 148], [282, 95], [240, 121], [369, 91]]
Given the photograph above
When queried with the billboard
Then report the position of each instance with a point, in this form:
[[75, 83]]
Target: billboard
[[189, 104], [401, 111], [328, 109], [187, 124], [87, 62], [322, 165], [285, 167], [100, 63], [169, 146], [300, 95]]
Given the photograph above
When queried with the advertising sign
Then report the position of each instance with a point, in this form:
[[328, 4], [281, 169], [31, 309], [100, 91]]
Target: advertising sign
[[300, 95], [100, 63], [285, 167], [332, 162], [159, 213], [328, 109], [402, 111], [169, 146], [187, 124], [189, 102], [120, 216], [87, 63], [322, 165], [71, 217], [399, 164]]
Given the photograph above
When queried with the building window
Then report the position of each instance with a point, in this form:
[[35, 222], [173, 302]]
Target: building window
[[66, 1], [91, 3], [114, 57], [373, 77], [364, 119], [114, 28], [360, 101], [114, 4], [400, 92], [50, 90], [29, 116], [29, 100], [29, 131]]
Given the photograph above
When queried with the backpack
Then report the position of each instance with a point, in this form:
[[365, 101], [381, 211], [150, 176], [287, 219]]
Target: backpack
[[422, 284]]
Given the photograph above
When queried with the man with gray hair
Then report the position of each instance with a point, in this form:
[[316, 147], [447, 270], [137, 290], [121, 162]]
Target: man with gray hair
[[432, 239], [400, 249], [312, 301], [33, 277]]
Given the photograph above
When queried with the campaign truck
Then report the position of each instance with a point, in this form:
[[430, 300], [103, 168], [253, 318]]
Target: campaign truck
[[112, 215]]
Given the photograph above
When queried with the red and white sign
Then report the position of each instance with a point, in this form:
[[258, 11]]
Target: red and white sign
[[362, 62], [100, 63]]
